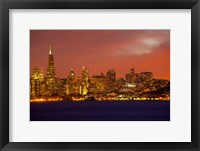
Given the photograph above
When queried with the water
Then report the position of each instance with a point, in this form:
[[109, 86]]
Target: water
[[101, 111]]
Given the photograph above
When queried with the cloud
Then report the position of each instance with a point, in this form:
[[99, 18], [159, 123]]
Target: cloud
[[141, 47], [152, 42]]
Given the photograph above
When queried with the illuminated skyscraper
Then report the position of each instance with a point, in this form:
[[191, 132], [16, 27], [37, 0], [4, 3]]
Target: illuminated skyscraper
[[36, 81], [98, 83], [51, 73], [70, 84], [85, 78], [38, 74], [71, 76], [35, 87]]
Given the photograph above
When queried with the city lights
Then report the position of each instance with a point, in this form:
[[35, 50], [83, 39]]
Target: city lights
[[104, 87]]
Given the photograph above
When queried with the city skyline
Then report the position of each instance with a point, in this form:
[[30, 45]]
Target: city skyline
[[134, 86], [90, 76], [71, 56], [100, 75]]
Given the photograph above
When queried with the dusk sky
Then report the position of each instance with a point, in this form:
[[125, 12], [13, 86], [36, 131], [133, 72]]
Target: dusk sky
[[100, 50]]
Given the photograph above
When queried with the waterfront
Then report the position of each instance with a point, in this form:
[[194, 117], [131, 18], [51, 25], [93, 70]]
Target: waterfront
[[100, 111]]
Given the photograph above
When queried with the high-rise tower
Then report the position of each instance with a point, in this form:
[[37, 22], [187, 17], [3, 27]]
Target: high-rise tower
[[38, 74], [37, 82], [71, 76], [85, 78], [51, 73]]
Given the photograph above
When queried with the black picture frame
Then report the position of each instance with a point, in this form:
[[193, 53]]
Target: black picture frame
[[5, 5]]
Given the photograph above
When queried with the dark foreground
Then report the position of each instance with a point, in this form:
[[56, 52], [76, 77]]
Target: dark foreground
[[101, 111]]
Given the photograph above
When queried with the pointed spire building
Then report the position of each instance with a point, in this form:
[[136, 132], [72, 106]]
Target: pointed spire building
[[51, 73]]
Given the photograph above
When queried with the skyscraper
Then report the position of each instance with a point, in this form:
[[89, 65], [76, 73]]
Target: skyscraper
[[70, 84], [71, 76], [51, 73], [37, 81], [85, 78], [38, 74]]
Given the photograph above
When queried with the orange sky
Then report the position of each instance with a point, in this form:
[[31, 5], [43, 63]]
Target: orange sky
[[100, 50]]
